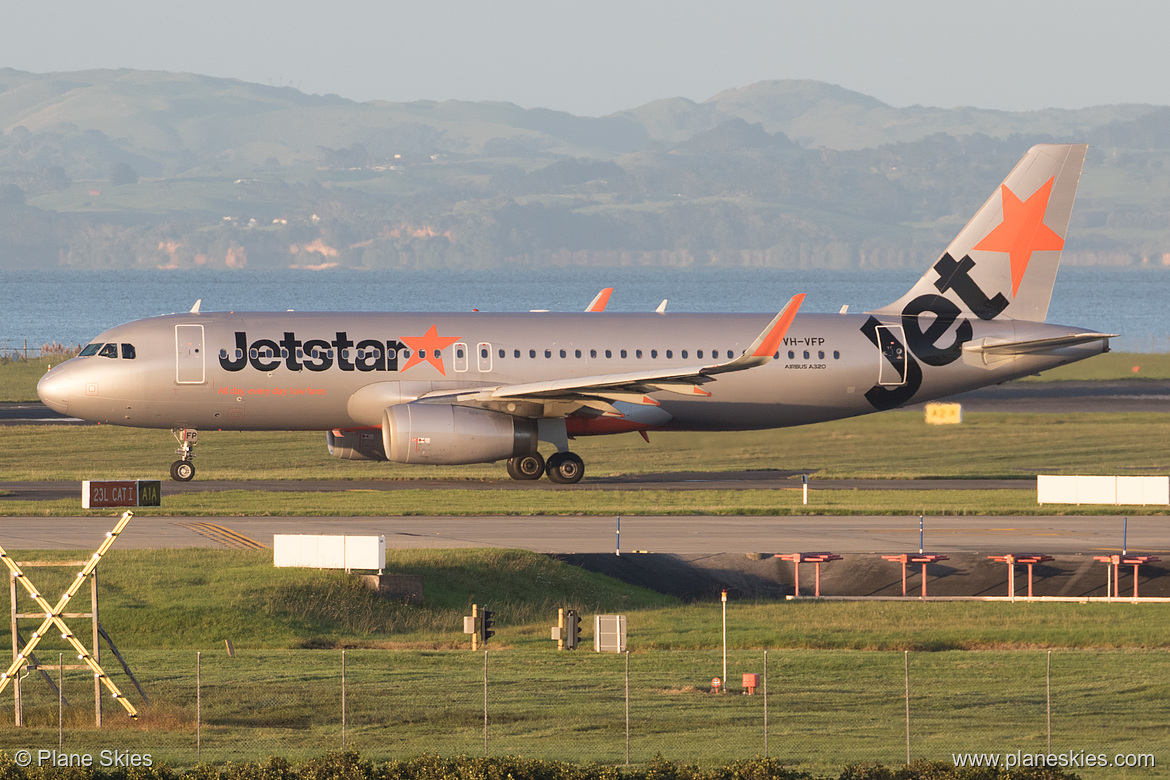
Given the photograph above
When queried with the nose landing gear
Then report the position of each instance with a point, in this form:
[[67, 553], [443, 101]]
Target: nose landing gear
[[183, 470]]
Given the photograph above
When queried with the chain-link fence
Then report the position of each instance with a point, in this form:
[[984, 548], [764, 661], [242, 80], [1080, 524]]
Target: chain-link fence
[[21, 350], [813, 709]]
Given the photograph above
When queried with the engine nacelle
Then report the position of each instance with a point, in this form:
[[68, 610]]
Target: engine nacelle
[[356, 445], [446, 435]]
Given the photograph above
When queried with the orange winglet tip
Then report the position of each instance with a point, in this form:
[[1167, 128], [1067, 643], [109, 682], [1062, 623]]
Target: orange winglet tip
[[774, 338], [600, 301]]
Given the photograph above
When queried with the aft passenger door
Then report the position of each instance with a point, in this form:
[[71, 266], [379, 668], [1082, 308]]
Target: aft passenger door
[[189, 367], [892, 346]]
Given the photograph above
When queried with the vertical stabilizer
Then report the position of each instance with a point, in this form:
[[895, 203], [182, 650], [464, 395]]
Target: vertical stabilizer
[[1004, 262]]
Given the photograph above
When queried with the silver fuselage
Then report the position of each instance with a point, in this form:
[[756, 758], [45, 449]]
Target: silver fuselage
[[306, 374]]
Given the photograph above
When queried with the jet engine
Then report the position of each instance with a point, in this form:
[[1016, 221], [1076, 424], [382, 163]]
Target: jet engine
[[443, 434], [356, 445]]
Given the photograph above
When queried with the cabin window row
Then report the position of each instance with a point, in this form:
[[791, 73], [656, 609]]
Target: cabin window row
[[808, 354], [594, 354]]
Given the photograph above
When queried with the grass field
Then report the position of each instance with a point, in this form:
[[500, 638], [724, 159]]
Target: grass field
[[836, 670], [836, 673], [826, 708], [194, 599], [890, 445]]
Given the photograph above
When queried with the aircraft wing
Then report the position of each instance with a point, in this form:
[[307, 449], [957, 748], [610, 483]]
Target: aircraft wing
[[633, 386]]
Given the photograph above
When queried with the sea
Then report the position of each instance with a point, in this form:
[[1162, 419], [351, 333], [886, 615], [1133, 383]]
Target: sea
[[70, 307]]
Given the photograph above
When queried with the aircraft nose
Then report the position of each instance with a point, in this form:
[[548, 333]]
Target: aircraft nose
[[54, 389]]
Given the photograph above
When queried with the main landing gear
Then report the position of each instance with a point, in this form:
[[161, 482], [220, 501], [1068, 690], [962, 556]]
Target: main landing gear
[[527, 467], [563, 468], [183, 470]]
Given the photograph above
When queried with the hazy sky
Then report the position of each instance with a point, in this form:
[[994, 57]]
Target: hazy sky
[[601, 56]]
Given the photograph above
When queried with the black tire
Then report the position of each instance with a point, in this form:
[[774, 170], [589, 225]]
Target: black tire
[[565, 468], [526, 467], [182, 471]]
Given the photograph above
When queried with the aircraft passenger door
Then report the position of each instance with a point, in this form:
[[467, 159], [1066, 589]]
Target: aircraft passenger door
[[483, 351], [189, 367], [892, 343], [460, 361]]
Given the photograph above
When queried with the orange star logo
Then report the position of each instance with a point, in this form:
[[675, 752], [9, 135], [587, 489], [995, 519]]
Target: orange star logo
[[428, 348], [1022, 231]]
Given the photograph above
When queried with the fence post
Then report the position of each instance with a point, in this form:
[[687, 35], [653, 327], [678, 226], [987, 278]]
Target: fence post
[[1048, 697], [627, 708], [60, 701], [765, 704], [343, 700], [906, 656], [485, 703], [198, 707]]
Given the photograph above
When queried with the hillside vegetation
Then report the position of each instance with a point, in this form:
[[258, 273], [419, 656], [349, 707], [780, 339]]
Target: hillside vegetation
[[121, 169]]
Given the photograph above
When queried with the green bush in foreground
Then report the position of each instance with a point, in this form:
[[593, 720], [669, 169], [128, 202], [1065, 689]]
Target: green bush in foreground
[[351, 766]]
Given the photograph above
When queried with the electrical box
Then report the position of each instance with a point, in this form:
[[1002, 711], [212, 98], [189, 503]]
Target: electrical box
[[609, 633]]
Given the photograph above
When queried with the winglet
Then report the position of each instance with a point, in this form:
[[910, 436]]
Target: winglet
[[769, 341], [766, 344], [195, 308], [599, 302]]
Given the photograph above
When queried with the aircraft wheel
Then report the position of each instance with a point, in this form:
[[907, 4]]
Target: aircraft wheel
[[182, 471], [565, 468], [526, 467]]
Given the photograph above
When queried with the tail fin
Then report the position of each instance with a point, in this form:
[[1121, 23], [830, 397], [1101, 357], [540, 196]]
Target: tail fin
[[1004, 262]]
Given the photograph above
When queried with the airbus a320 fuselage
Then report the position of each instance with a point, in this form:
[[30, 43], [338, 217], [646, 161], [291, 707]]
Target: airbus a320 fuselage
[[455, 388]]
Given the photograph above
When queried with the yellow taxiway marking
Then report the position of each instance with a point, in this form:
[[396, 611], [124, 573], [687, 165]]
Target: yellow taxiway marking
[[225, 536]]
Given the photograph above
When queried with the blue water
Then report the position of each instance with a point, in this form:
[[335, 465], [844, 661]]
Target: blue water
[[41, 307]]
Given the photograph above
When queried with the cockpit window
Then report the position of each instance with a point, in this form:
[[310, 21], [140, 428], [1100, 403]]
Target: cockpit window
[[90, 349], [128, 352], [109, 351]]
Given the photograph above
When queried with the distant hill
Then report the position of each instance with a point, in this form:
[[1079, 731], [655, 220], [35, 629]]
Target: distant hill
[[123, 168]]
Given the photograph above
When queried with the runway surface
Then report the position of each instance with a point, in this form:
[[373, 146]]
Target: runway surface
[[658, 534]]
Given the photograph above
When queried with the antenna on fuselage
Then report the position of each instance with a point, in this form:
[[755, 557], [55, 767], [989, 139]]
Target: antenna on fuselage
[[195, 308]]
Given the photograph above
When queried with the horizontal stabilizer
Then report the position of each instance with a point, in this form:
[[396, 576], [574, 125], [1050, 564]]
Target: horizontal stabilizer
[[1034, 346]]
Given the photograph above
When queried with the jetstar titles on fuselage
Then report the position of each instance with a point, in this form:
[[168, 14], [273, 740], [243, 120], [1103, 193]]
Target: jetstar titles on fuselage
[[267, 354]]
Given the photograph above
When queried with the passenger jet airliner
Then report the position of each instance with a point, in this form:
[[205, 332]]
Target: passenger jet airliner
[[474, 387]]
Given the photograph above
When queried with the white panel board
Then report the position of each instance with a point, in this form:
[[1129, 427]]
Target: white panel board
[[1143, 490], [1096, 490], [1052, 489], [1103, 490], [312, 551]]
